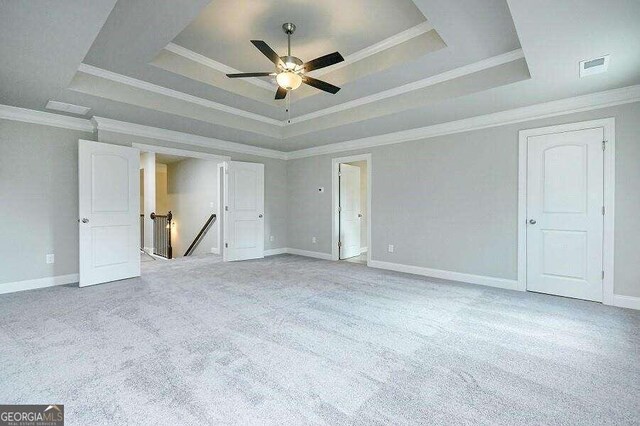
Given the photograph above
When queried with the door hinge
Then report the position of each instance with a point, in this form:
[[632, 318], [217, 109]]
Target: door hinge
[[226, 208], [603, 275], [339, 209], [339, 244], [604, 144], [602, 210], [226, 245]]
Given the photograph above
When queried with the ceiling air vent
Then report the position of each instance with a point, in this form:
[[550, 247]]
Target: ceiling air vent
[[64, 107], [594, 66]]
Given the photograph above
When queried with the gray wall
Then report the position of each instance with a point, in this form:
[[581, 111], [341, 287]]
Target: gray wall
[[451, 202], [38, 200], [192, 186], [275, 176]]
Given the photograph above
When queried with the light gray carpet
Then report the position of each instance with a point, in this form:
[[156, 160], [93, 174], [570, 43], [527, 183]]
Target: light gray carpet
[[292, 340]]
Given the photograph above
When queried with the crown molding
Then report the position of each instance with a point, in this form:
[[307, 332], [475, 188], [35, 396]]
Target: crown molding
[[388, 43], [123, 127], [593, 101], [416, 85], [144, 85], [215, 65], [45, 118], [565, 106]]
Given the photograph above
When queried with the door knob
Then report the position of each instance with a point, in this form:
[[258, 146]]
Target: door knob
[[532, 221], [85, 220], [260, 216]]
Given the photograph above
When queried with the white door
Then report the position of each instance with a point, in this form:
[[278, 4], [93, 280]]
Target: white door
[[109, 195], [565, 198], [349, 211], [244, 211]]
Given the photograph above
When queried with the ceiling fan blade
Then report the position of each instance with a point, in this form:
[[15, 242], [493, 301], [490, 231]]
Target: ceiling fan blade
[[323, 61], [319, 84], [281, 93], [250, 74], [268, 52]]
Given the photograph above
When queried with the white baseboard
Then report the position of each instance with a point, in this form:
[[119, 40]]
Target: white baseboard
[[306, 253], [447, 275], [38, 283], [273, 252], [215, 250], [629, 302], [364, 250]]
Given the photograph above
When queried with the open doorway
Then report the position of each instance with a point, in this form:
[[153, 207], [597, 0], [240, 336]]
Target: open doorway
[[179, 203], [351, 190]]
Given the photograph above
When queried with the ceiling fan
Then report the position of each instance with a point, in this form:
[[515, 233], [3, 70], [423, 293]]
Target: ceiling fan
[[290, 71]]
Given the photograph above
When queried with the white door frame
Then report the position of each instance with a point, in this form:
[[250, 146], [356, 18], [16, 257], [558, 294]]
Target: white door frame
[[608, 126], [335, 194], [221, 173], [218, 159]]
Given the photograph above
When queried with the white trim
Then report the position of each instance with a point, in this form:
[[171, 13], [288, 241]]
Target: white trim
[[273, 252], [144, 85], [416, 85], [560, 107], [180, 152], [387, 43], [335, 191], [38, 283], [220, 175], [215, 250], [363, 249], [45, 118], [447, 275], [608, 126], [306, 253], [592, 101], [65, 107], [123, 127], [629, 302], [215, 65]]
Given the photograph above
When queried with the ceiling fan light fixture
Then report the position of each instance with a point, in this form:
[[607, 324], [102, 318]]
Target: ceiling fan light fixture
[[289, 80]]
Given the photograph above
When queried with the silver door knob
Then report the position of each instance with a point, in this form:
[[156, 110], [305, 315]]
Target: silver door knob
[[532, 221], [260, 216], [85, 220]]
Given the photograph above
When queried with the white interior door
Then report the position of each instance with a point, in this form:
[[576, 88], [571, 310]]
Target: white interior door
[[109, 192], [349, 211], [244, 211], [565, 198]]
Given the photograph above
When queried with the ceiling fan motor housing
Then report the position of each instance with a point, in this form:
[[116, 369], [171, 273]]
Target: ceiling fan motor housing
[[291, 63]]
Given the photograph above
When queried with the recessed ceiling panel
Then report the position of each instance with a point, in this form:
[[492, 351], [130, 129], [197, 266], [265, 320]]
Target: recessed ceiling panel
[[223, 30]]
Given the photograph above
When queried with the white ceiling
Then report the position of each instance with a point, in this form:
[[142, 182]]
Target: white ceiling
[[493, 55], [224, 28]]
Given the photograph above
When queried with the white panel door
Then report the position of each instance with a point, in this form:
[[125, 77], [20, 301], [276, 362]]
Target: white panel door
[[349, 211], [109, 195], [565, 198], [244, 219]]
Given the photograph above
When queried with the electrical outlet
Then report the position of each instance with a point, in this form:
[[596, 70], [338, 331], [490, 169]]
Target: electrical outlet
[[50, 258], [391, 248], [314, 240], [272, 238]]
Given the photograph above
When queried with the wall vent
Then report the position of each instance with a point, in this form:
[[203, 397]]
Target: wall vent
[[594, 66], [70, 108]]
